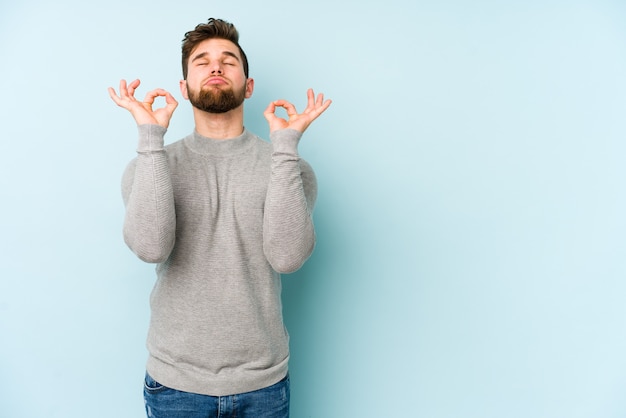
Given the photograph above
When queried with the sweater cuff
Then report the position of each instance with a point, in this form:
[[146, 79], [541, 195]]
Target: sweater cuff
[[151, 138], [285, 141]]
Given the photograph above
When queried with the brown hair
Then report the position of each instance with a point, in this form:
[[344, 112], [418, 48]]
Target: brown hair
[[214, 28]]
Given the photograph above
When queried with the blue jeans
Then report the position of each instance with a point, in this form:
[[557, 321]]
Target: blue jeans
[[163, 402]]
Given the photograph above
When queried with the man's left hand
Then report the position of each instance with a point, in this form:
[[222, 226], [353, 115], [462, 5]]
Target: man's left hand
[[298, 121]]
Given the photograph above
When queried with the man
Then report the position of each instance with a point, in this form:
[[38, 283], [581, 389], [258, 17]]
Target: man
[[223, 213]]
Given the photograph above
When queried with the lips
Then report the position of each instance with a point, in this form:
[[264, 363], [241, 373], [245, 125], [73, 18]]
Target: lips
[[215, 81]]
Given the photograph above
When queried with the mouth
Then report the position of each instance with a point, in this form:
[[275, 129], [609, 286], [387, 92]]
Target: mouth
[[215, 81]]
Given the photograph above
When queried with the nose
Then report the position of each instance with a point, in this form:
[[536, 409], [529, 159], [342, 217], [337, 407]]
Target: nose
[[216, 68]]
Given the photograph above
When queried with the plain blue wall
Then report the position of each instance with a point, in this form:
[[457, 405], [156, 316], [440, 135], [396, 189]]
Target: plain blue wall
[[471, 259]]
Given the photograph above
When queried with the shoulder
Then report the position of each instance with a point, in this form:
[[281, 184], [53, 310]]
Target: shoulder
[[259, 148], [175, 146], [176, 151], [259, 142]]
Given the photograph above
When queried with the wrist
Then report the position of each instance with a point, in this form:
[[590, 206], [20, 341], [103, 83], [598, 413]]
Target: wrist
[[285, 140], [151, 137]]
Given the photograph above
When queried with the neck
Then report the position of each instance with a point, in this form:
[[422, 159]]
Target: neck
[[219, 125]]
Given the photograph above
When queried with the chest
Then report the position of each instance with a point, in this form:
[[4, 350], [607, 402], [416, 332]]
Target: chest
[[214, 187]]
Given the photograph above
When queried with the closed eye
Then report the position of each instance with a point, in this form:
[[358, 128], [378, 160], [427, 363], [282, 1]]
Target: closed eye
[[229, 58]]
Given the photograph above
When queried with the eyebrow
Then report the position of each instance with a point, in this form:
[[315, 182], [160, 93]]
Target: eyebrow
[[204, 54]]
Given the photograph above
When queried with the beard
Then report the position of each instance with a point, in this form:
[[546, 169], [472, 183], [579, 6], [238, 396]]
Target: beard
[[216, 100]]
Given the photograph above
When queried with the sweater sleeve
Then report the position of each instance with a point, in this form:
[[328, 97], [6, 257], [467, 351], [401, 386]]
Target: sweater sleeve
[[288, 232], [150, 220]]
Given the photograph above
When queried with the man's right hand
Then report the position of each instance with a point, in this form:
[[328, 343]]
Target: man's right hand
[[142, 111]]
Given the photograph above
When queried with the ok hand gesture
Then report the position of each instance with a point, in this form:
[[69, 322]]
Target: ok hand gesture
[[297, 121], [142, 111]]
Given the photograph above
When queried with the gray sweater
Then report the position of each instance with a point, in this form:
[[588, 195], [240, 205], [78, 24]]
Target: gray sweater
[[223, 219]]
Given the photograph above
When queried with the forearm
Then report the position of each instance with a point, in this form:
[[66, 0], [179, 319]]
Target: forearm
[[288, 231], [150, 221]]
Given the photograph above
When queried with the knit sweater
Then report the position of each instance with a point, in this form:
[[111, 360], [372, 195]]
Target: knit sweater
[[222, 219]]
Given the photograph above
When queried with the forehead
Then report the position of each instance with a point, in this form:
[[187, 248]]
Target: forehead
[[215, 48]]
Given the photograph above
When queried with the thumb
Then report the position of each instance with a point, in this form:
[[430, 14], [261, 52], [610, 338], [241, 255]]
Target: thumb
[[170, 103]]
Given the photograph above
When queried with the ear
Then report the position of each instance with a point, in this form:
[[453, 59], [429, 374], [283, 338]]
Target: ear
[[249, 88], [183, 89]]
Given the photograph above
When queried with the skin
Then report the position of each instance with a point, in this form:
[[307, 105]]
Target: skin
[[215, 64]]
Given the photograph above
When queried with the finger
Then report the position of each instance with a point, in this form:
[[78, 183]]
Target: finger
[[171, 103], [290, 108], [269, 111], [128, 90], [312, 101], [322, 108], [132, 87], [114, 96], [169, 99], [279, 102], [317, 111], [123, 88], [153, 94], [320, 100]]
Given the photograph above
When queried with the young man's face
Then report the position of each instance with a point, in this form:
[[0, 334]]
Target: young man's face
[[216, 82]]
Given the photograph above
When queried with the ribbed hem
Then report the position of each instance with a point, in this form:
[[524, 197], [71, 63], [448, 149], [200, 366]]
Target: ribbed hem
[[222, 384], [151, 138], [285, 141]]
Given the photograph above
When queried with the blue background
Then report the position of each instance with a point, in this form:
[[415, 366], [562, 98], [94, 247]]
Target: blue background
[[471, 219]]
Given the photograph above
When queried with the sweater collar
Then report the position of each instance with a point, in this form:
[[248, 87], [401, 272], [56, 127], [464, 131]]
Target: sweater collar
[[219, 147]]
